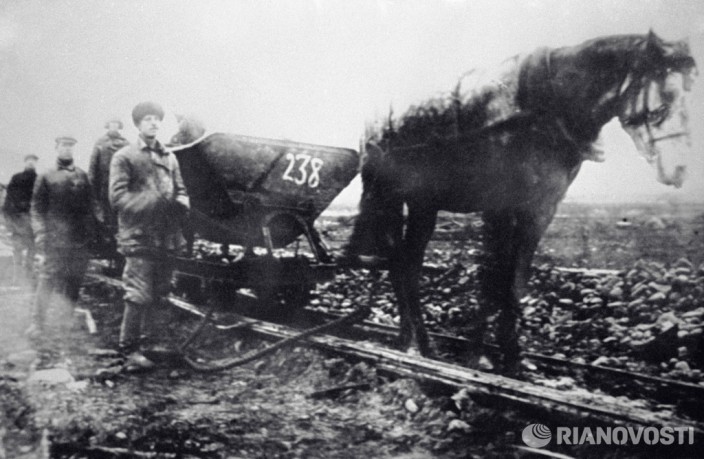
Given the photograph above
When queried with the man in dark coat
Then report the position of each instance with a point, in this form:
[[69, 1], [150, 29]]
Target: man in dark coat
[[18, 199], [63, 224], [147, 191], [99, 176]]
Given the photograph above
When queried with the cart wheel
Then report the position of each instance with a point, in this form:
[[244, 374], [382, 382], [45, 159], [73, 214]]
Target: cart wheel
[[282, 302]]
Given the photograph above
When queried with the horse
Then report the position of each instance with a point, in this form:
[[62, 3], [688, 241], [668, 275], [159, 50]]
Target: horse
[[509, 145]]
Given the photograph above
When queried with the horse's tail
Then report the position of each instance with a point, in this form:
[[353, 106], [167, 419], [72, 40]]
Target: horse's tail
[[379, 225]]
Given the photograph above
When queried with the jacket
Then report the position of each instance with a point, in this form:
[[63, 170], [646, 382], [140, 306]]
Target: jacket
[[99, 174], [18, 197], [62, 209], [147, 191]]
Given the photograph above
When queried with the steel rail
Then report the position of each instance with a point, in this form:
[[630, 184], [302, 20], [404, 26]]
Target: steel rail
[[482, 385]]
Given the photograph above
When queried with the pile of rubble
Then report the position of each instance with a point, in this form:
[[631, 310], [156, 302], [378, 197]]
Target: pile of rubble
[[650, 314], [648, 318]]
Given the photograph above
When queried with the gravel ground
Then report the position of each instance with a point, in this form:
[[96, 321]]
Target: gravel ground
[[278, 407]]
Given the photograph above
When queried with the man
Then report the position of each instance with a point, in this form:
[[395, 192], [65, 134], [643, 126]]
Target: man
[[18, 199], [147, 191], [99, 174], [190, 129], [63, 224]]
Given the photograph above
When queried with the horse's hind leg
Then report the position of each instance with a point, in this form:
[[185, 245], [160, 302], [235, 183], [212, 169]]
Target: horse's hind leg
[[405, 276]]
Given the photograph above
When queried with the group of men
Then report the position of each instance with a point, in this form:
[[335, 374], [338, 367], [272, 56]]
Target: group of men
[[133, 195]]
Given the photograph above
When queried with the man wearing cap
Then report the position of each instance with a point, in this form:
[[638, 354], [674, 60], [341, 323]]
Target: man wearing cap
[[147, 191], [99, 174], [63, 224], [18, 199]]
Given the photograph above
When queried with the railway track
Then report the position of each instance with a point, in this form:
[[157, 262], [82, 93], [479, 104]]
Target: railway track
[[573, 403], [686, 397]]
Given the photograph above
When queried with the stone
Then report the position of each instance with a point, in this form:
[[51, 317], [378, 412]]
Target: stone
[[23, 358], [77, 386], [411, 406], [657, 298], [458, 425], [635, 303], [601, 361], [682, 366], [52, 376], [682, 271], [683, 263], [670, 317], [696, 313]]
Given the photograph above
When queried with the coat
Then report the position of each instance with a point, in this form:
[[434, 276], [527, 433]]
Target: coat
[[18, 197], [62, 209], [99, 175], [147, 191]]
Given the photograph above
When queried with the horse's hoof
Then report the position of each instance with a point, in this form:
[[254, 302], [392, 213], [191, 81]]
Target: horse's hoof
[[414, 352], [516, 368], [348, 260], [481, 363]]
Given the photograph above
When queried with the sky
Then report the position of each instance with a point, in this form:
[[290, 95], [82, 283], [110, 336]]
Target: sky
[[306, 70]]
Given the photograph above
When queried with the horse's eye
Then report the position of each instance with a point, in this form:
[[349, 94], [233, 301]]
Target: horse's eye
[[657, 116]]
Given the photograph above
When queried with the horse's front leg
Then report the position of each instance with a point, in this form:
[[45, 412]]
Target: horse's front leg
[[511, 239], [421, 223]]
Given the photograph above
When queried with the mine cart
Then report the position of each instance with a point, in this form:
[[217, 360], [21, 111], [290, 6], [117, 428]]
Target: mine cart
[[262, 193]]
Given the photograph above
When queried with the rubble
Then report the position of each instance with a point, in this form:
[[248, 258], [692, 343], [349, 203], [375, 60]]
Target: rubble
[[643, 315]]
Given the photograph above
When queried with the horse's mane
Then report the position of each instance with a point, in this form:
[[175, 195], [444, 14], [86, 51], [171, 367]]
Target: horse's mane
[[469, 110], [440, 117]]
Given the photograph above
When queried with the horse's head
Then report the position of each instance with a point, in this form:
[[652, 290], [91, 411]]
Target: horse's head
[[653, 110]]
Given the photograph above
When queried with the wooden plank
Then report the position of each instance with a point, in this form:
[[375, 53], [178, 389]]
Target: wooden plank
[[578, 403]]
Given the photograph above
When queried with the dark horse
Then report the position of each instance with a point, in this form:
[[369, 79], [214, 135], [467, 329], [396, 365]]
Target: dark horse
[[510, 148]]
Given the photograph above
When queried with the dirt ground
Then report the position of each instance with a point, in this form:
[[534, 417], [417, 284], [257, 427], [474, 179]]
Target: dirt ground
[[73, 405], [277, 407]]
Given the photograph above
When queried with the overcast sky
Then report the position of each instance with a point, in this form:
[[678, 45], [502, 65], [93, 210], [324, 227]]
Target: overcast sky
[[305, 70]]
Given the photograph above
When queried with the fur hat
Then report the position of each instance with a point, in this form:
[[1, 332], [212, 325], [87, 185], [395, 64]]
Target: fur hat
[[143, 109]]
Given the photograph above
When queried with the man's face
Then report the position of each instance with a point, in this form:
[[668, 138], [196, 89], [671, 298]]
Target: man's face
[[65, 150], [30, 164], [113, 127], [149, 126]]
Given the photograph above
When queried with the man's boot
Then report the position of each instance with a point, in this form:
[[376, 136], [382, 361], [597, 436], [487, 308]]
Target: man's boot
[[39, 309], [130, 332]]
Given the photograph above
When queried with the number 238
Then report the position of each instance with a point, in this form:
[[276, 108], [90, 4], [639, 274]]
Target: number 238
[[303, 169]]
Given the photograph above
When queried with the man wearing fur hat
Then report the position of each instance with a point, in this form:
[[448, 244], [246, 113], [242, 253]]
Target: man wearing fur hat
[[99, 174], [147, 191], [63, 222]]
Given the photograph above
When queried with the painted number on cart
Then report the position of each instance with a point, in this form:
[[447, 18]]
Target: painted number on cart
[[303, 169]]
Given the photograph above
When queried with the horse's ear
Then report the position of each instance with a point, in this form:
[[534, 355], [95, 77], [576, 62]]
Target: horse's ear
[[653, 46]]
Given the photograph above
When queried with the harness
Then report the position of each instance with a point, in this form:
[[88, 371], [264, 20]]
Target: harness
[[647, 117]]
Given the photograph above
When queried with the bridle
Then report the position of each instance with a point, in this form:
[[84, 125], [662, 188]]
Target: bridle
[[649, 118], [637, 84]]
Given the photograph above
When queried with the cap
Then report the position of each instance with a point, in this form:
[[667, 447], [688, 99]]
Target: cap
[[143, 109], [31, 156], [66, 139], [114, 120]]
